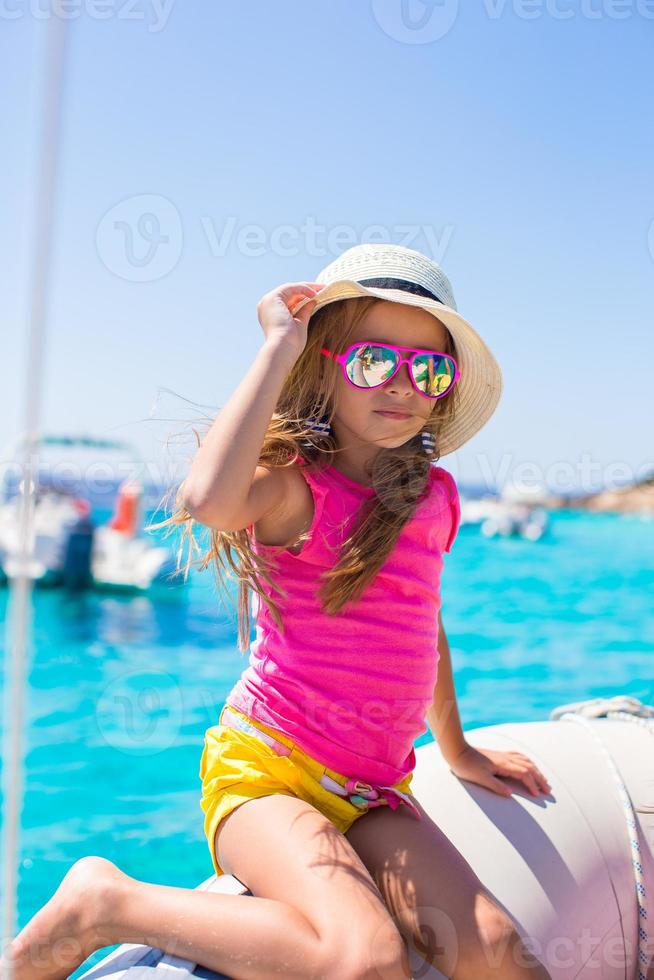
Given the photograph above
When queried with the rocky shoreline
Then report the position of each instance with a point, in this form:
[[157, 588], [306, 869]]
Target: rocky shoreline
[[638, 498]]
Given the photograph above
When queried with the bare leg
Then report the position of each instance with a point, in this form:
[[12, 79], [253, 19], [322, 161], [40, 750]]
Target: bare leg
[[242, 936], [437, 901], [97, 905]]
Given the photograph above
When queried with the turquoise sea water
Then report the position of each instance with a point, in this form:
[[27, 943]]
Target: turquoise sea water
[[121, 690]]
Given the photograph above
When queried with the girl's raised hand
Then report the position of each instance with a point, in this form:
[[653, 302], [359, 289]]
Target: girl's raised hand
[[484, 766], [276, 311]]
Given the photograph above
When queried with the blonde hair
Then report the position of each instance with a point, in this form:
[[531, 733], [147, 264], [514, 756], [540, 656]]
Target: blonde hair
[[400, 477]]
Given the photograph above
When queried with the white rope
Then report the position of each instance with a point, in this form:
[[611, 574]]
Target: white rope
[[19, 619], [632, 826]]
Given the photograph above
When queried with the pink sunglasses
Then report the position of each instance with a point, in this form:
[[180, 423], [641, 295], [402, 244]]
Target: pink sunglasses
[[370, 364]]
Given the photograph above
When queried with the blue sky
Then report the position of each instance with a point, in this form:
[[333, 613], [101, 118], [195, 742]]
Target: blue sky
[[512, 142]]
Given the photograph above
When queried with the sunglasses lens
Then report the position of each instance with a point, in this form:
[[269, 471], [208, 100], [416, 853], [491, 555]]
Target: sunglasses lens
[[433, 373], [369, 366]]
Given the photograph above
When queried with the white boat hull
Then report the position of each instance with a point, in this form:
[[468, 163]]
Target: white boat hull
[[561, 865]]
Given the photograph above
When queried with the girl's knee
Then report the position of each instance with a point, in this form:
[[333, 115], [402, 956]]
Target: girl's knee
[[496, 928], [367, 956], [500, 950]]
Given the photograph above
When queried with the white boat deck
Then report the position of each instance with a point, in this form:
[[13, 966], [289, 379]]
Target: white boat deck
[[565, 865]]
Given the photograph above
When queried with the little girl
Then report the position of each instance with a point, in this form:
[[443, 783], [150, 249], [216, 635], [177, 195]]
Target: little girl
[[317, 482]]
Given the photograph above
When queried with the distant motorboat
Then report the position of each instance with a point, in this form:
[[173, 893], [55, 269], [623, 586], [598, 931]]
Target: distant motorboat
[[475, 510], [516, 520], [67, 548], [497, 517], [121, 559], [56, 516]]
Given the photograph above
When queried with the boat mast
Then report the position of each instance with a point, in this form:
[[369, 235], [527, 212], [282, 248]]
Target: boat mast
[[19, 619]]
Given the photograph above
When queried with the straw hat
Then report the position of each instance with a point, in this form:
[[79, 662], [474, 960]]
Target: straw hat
[[402, 275]]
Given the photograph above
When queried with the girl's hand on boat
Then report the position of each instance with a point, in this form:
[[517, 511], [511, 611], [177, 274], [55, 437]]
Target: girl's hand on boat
[[280, 319], [484, 766]]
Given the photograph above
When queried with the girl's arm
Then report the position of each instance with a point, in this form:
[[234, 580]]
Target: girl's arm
[[482, 766], [220, 489], [217, 488], [443, 715]]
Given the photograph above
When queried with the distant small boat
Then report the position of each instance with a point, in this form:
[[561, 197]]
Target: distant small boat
[[475, 510], [503, 518], [516, 520], [56, 516], [66, 548], [574, 868], [121, 559]]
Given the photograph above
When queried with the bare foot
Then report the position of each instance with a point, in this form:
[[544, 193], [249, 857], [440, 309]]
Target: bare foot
[[70, 926]]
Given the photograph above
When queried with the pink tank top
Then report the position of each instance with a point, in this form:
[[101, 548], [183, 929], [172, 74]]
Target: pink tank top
[[352, 689]]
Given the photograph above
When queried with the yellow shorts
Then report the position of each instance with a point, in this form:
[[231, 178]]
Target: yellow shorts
[[237, 766]]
